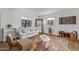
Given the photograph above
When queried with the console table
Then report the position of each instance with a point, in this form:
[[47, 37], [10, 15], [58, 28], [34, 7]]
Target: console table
[[71, 35]]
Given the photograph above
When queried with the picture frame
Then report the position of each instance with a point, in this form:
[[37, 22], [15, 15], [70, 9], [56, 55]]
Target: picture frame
[[67, 20]]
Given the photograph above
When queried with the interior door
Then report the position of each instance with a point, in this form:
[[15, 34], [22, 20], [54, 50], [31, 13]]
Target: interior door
[[39, 23]]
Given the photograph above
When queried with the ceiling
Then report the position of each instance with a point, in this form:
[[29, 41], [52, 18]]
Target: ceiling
[[45, 11]]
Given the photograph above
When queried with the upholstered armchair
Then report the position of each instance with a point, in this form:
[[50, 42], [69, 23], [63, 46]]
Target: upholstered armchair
[[11, 42]]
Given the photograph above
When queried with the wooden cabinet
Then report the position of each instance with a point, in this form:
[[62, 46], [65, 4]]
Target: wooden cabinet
[[71, 35]]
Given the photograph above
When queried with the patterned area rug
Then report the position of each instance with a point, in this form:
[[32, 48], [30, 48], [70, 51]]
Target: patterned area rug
[[56, 44]]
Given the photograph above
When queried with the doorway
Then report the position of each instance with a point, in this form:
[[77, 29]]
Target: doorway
[[39, 23]]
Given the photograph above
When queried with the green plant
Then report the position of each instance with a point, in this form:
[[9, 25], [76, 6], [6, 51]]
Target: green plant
[[50, 30]]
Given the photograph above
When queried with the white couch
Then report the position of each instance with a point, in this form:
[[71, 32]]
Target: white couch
[[28, 32]]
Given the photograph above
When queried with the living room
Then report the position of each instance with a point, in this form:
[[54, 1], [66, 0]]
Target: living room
[[37, 21]]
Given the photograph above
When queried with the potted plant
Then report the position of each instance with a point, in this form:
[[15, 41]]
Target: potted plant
[[50, 30]]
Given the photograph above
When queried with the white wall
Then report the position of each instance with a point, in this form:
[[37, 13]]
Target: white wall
[[13, 16], [0, 29], [68, 28]]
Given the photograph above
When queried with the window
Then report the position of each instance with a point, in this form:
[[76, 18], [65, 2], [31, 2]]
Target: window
[[26, 22], [50, 21], [29, 23]]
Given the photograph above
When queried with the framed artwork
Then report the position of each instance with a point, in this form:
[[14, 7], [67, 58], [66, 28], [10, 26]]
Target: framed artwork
[[67, 20]]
